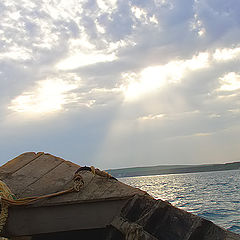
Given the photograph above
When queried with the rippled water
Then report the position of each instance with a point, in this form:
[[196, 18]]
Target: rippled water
[[213, 195]]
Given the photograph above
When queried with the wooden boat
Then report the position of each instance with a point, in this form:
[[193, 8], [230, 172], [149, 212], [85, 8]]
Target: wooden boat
[[57, 199]]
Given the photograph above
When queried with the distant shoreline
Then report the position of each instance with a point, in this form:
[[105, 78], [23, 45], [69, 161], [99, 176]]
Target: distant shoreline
[[172, 169]]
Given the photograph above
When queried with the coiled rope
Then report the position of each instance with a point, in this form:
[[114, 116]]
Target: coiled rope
[[7, 198], [5, 193]]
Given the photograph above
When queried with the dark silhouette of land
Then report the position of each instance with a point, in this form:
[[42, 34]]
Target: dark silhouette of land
[[172, 169]]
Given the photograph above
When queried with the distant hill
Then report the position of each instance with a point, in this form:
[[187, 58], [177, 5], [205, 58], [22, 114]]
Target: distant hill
[[172, 169]]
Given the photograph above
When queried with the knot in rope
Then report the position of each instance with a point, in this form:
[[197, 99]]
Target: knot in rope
[[78, 182], [7, 198]]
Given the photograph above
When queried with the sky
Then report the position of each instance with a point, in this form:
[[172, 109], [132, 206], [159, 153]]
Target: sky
[[116, 83]]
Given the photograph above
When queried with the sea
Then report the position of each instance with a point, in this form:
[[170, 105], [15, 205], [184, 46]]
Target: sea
[[212, 195]]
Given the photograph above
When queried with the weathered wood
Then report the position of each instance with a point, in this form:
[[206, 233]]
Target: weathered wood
[[98, 202], [32, 172], [19, 162], [100, 187], [131, 230], [95, 187], [53, 181], [119, 189], [166, 222], [44, 174], [29, 220]]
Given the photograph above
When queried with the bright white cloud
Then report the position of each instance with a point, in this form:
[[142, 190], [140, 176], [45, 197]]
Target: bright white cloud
[[99, 27], [143, 45], [106, 5], [152, 117], [230, 82], [197, 62], [82, 59], [153, 19], [234, 111], [142, 16], [64, 9], [121, 44], [49, 96], [155, 77], [16, 53], [80, 43], [105, 90], [225, 54], [138, 12]]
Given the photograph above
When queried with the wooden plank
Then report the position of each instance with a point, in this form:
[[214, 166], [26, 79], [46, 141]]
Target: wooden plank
[[19, 162], [45, 174], [53, 181], [119, 189], [104, 185], [95, 189], [29, 221], [106, 188], [32, 172]]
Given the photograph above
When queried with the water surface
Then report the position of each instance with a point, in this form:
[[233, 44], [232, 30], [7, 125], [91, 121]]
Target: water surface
[[212, 195]]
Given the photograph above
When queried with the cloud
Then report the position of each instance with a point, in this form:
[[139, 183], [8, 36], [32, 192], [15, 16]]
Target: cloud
[[151, 117], [230, 82], [49, 95], [154, 77], [202, 134], [80, 60], [125, 81], [225, 54]]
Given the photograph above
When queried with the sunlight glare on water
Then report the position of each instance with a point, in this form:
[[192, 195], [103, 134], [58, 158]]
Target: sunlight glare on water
[[212, 195]]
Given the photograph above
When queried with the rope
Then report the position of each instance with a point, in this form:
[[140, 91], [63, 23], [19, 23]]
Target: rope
[[131, 230], [5, 192], [6, 202], [26, 201], [78, 182], [7, 198], [98, 172], [95, 171]]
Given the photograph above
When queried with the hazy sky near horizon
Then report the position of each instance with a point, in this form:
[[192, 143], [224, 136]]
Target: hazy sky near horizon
[[116, 83]]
